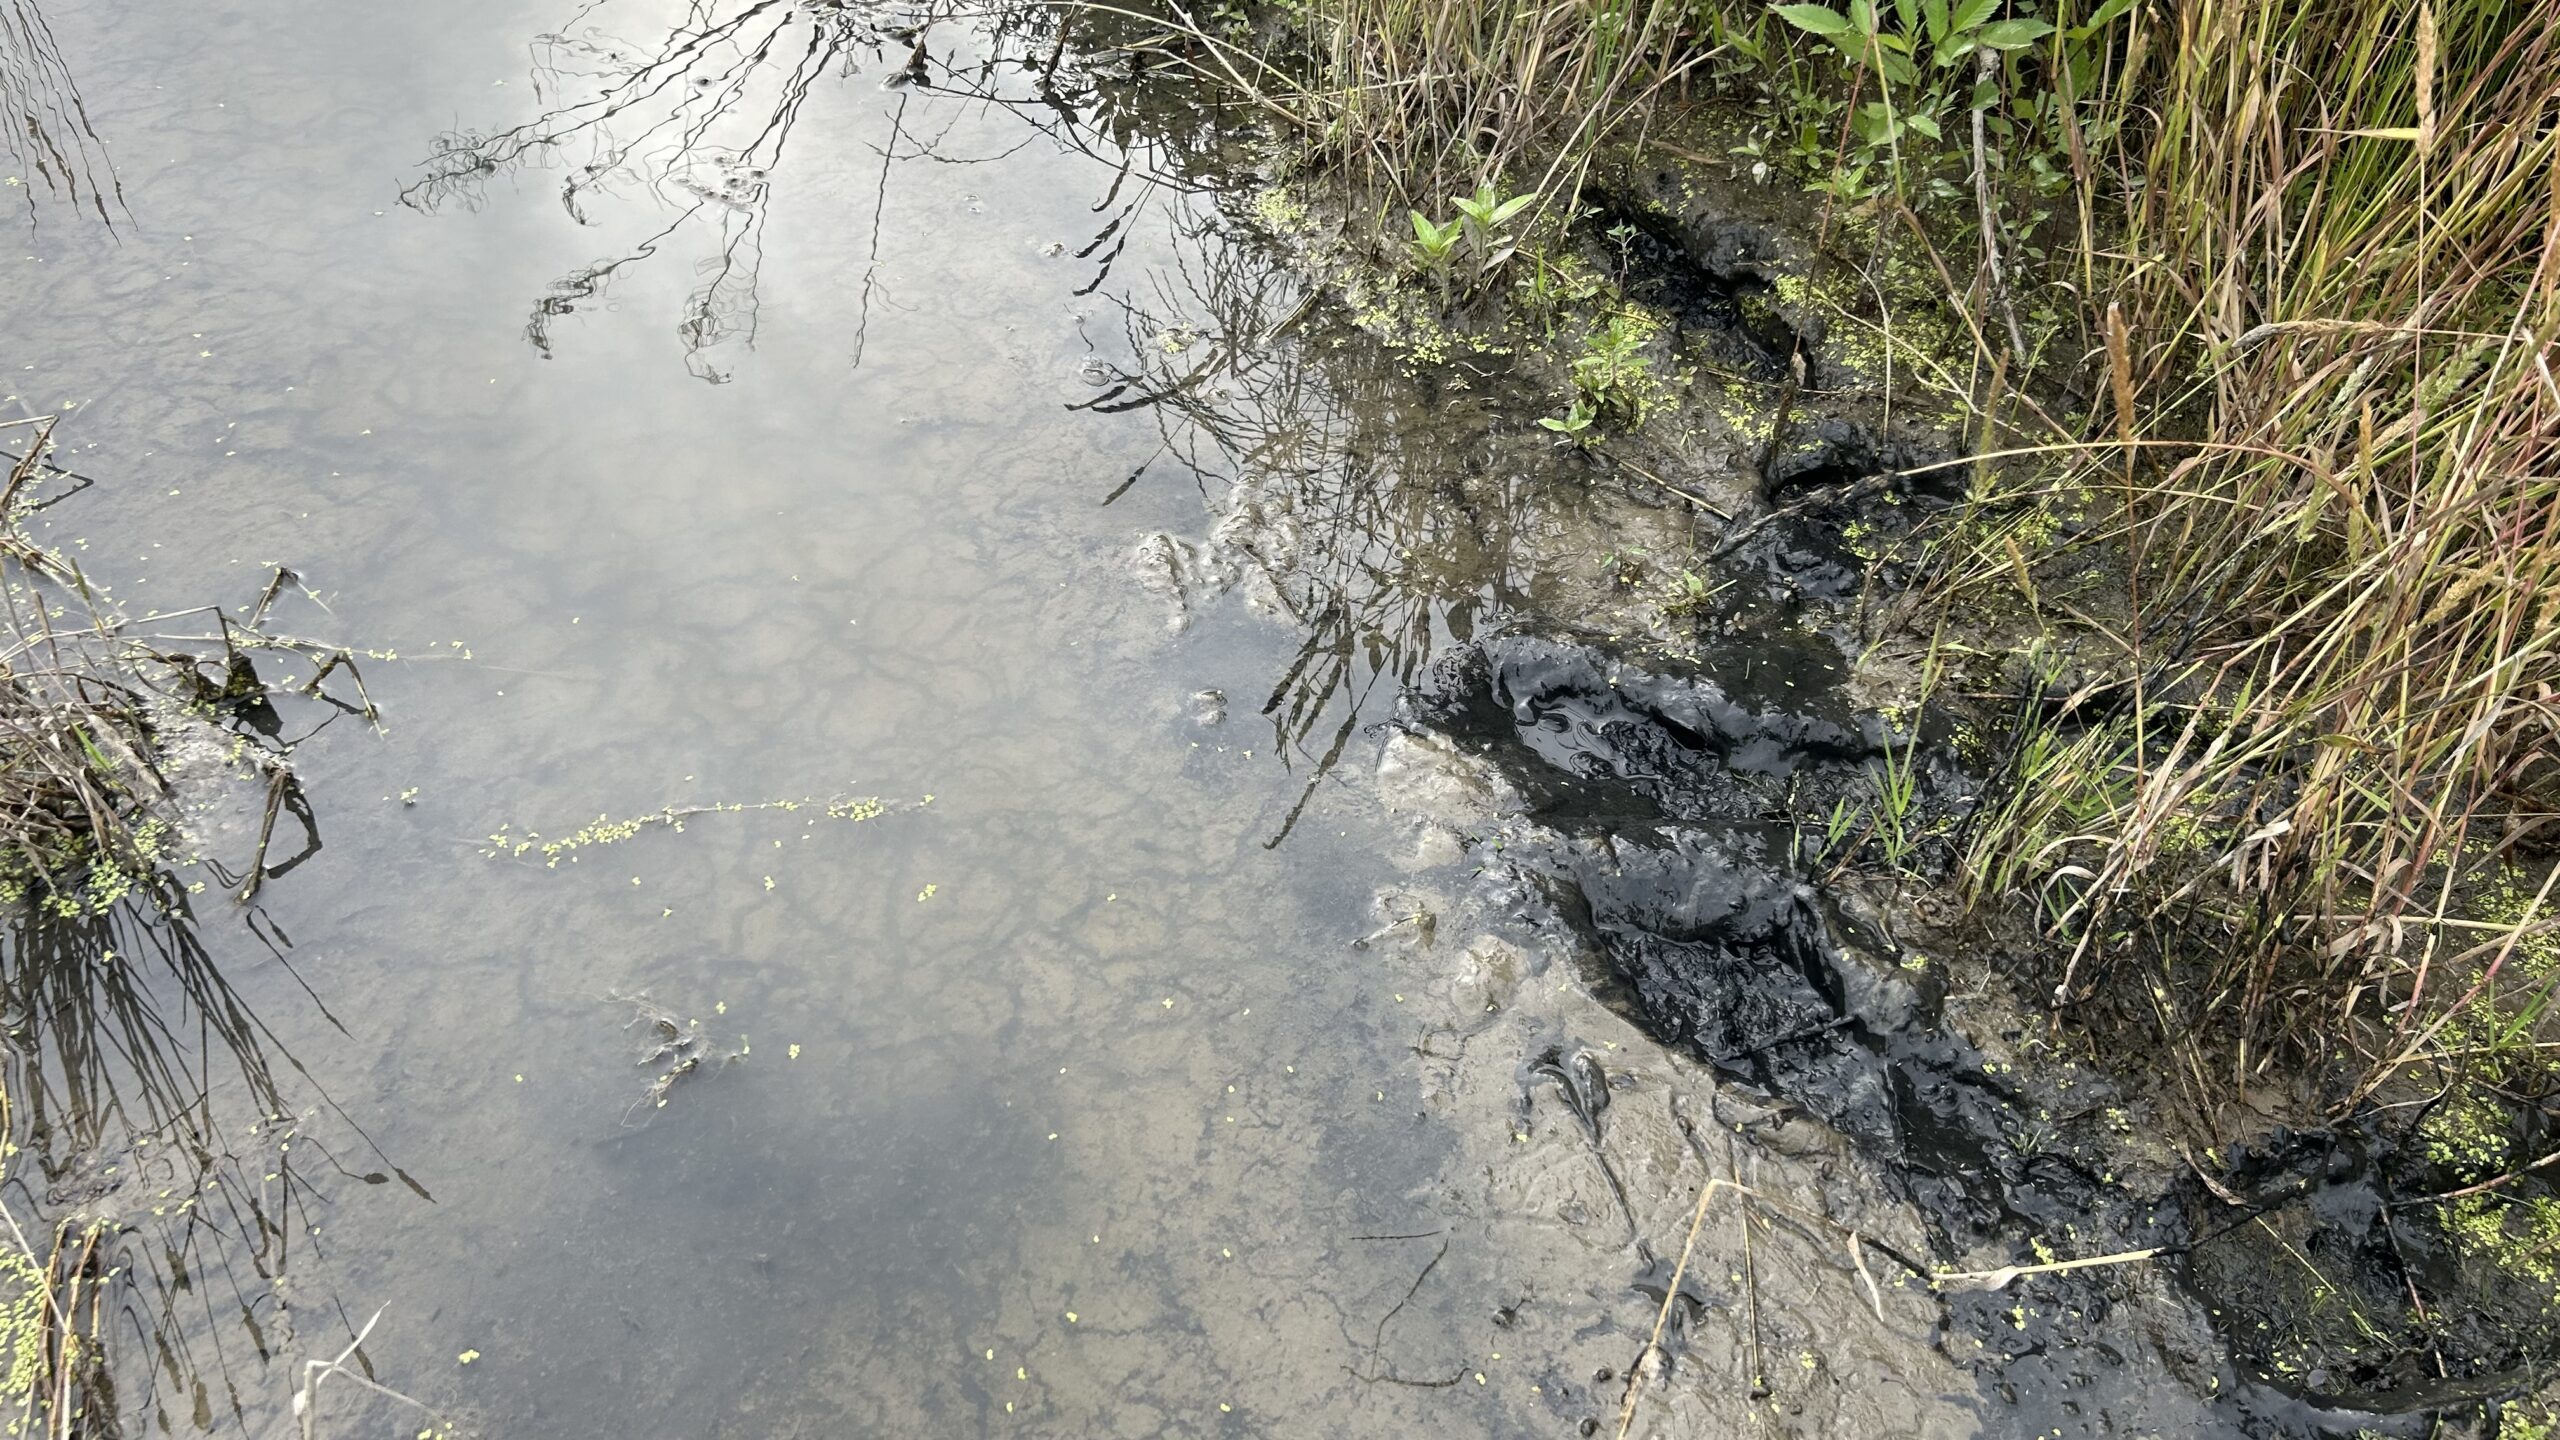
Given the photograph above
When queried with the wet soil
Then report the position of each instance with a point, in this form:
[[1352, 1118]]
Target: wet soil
[[1670, 816], [1659, 822]]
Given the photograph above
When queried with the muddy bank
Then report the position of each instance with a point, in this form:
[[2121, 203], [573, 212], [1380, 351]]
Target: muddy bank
[[1687, 766], [1698, 806], [1656, 824]]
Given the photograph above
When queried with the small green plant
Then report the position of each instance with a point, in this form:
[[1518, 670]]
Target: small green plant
[[1482, 229], [1836, 827], [1551, 288], [1486, 219], [1609, 377], [1948, 35], [1437, 246], [1690, 593], [1935, 60], [1576, 418], [1897, 801], [1929, 33], [1623, 237]]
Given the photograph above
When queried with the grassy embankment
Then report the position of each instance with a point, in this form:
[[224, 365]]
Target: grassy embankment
[[2255, 597], [2260, 302]]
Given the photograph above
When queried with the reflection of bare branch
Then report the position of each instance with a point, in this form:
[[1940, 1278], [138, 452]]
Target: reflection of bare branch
[[1339, 485], [700, 118], [588, 281], [46, 125], [879, 207], [1334, 486], [713, 102], [696, 78]]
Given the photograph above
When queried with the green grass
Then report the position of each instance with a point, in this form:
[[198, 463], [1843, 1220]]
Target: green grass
[[2336, 519], [2261, 297]]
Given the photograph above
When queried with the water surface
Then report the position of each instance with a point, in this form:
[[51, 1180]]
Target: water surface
[[776, 421]]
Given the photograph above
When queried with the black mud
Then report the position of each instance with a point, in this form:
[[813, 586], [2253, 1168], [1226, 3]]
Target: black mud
[[1667, 830]]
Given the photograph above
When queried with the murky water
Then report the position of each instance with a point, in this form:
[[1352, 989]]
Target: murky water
[[757, 425]]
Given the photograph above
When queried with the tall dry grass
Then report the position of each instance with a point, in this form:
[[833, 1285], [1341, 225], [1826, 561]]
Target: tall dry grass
[[1415, 100], [2334, 261], [1435, 96], [2315, 249]]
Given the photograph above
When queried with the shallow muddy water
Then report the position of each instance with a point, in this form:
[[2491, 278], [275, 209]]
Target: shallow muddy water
[[1172, 1053]]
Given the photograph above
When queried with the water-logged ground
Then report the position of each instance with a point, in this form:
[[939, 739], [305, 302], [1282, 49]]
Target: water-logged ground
[[951, 444]]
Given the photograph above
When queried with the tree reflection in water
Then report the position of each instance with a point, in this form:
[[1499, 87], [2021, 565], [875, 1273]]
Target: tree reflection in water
[[1377, 510], [700, 117]]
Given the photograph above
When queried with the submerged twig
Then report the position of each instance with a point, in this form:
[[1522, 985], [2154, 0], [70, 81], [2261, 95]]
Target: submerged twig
[[305, 1409], [1670, 1297]]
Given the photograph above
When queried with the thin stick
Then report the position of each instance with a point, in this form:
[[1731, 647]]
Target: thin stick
[[266, 832], [313, 1372], [1670, 1297], [1750, 1276], [1998, 1279], [1858, 1257], [1988, 68]]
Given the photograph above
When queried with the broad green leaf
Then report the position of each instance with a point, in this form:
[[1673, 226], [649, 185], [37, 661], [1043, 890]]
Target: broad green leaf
[[2014, 34], [1828, 23], [1936, 13], [1511, 207], [1970, 14], [2100, 18], [1924, 125], [1862, 15]]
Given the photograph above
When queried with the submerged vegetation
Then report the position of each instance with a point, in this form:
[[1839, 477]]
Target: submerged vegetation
[[126, 742], [104, 716]]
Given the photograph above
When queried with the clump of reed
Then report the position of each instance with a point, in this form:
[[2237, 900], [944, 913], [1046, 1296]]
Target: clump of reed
[[1436, 96], [83, 806], [90, 702], [52, 1315], [52, 1318], [2329, 251]]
